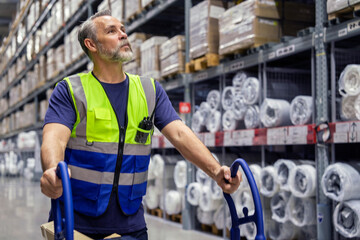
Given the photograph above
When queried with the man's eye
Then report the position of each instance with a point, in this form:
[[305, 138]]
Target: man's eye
[[111, 31]]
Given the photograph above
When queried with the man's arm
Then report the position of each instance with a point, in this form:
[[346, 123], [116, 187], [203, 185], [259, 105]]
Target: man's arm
[[55, 138], [192, 149]]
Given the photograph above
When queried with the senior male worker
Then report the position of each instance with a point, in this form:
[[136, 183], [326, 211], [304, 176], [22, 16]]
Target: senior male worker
[[93, 124]]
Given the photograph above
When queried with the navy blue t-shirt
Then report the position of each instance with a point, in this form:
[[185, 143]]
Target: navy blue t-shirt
[[61, 110]]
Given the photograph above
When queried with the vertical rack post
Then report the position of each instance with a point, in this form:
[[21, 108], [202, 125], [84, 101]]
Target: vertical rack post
[[188, 213], [321, 115]]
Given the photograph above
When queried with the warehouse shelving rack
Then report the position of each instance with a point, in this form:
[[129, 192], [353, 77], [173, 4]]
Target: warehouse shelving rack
[[319, 43]]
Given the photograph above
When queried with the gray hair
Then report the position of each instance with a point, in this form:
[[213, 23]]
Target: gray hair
[[87, 30]]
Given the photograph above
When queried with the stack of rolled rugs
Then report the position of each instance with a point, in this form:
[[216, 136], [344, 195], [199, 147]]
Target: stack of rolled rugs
[[340, 182], [237, 107]]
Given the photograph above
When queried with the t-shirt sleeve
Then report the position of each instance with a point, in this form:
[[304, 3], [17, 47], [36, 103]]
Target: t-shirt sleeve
[[164, 112], [61, 109]]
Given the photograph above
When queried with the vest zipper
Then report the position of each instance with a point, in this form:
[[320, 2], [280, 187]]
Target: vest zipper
[[119, 159]]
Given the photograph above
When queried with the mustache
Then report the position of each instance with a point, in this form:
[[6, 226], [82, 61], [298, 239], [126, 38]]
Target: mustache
[[124, 42]]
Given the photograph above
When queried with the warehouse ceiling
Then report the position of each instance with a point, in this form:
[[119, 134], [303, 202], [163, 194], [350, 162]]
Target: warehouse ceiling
[[7, 12]]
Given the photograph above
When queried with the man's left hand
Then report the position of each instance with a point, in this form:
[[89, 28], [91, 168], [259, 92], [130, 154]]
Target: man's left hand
[[232, 184]]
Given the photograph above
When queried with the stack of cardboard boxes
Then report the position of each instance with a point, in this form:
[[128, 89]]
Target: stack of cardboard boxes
[[172, 56], [134, 66]]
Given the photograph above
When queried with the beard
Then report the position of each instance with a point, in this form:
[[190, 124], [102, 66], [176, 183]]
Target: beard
[[115, 55]]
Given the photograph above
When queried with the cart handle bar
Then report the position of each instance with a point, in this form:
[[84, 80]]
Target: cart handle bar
[[257, 218], [64, 228]]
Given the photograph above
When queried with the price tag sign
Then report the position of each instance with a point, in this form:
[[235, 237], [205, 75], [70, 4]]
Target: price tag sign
[[209, 139], [184, 107], [228, 141]]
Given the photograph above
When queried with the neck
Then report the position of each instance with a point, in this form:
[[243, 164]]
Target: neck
[[109, 72]]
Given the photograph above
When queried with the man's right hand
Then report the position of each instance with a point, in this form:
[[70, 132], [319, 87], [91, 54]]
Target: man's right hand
[[50, 184]]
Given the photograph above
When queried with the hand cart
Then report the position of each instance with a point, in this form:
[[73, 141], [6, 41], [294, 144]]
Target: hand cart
[[257, 217], [64, 227]]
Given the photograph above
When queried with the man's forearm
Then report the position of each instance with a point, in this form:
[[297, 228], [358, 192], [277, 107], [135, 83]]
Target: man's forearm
[[191, 148]]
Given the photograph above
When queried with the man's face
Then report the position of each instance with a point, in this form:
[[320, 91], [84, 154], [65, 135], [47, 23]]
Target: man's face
[[112, 42]]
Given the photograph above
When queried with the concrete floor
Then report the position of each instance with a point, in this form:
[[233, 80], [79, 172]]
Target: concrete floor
[[23, 208]]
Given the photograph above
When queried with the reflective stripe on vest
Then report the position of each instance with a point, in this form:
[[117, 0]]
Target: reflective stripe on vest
[[93, 146]]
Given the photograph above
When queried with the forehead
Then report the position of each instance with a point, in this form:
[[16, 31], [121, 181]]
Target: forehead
[[105, 21]]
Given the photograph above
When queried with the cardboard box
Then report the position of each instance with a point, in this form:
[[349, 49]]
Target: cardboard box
[[336, 5], [172, 46], [246, 32], [204, 28], [299, 12], [47, 231], [117, 9], [175, 63], [132, 67], [136, 39], [132, 8], [150, 57]]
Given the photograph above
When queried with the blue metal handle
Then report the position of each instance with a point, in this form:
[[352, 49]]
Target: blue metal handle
[[257, 218], [64, 228]]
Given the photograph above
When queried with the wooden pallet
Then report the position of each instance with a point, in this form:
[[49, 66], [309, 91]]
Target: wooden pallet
[[155, 212], [171, 75], [198, 64], [134, 16], [148, 6], [212, 229], [344, 14], [175, 218], [238, 52]]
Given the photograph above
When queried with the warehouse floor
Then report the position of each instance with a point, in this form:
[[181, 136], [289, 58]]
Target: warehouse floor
[[24, 208]]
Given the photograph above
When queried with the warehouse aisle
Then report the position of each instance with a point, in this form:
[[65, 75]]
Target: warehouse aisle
[[23, 208]]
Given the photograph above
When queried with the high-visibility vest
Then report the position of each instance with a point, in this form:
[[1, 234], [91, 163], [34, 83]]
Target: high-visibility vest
[[102, 156]]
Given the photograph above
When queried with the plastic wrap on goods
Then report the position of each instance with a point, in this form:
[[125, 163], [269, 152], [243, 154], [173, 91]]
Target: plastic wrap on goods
[[158, 165], [228, 120], [302, 181], [348, 108], [336, 5], [301, 108], [283, 168], [275, 112], [172, 45], [256, 171], [278, 205], [214, 99], [213, 124], [269, 182], [239, 107], [206, 202], [205, 217], [302, 211], [180, 174], [346, 218], [202, 177], [357, 107], [281, 231], [219, 218], [227, 97], [238, 81], [151, 175], [340, 182], [197, 122], [252, 117], [251, 90], [216, 191], [152, 198], [173, 202], [193, 193], [349, 81]]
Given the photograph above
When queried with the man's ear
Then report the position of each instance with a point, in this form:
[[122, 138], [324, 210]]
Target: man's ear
[[90, 44]]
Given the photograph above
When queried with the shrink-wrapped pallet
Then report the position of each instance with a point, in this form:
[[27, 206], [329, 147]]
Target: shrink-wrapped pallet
[[204, 28], [134, 66], [336, 5], [172, 56], [150, 57], [242, 27], [132, 8], [117, 9]]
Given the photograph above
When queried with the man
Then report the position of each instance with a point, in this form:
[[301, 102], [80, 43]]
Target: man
[[100, 123]]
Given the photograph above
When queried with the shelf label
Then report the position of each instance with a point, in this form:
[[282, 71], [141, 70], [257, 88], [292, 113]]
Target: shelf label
[[209, 139], [353, 26], [272, 55], [342, 32], [237, 65], [201, 76], [243, 137], [297, 135], [277, 136], [200, 136], [285, 50], [172, 85], [228, 140], [342, 127], [340, 137]]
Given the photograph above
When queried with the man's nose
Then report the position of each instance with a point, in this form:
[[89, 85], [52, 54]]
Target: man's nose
[[122, 35]]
